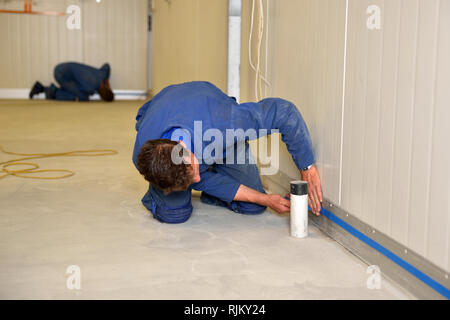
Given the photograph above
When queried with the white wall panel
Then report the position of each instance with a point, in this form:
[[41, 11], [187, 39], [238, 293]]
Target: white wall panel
[[112, 31], [393, 174], [305, 66], [438, 244], [395, 156], [116, 32]]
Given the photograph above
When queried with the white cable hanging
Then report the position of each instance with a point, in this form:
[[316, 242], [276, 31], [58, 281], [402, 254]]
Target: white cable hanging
[[258, 76]]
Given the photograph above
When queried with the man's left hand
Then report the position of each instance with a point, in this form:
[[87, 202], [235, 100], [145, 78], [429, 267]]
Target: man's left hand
[[314, 188]]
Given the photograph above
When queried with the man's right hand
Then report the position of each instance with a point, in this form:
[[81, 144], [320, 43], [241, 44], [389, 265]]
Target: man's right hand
[[278, 203], [273, 201]]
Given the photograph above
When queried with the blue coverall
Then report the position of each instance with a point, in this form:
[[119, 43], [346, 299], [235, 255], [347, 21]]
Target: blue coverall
[[76, 80], [178, 106]]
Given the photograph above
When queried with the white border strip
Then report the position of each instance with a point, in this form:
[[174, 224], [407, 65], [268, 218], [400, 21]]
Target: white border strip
[[19, 93]]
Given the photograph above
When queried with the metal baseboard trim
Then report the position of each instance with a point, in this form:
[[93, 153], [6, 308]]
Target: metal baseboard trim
[[368, 254]]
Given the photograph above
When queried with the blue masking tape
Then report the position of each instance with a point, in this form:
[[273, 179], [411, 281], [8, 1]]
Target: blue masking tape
[[389, 254]]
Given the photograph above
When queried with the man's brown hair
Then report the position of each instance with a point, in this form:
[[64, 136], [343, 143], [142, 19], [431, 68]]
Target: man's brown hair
[[106, 94], [155, 164]]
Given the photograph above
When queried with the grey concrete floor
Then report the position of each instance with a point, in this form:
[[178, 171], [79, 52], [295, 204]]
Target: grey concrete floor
[[95, 220]]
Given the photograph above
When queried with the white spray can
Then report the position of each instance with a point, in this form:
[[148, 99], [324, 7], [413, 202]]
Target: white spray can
[[299, 209]]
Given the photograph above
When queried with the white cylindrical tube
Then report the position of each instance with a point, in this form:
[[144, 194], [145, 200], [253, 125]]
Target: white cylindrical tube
[[299, 209]]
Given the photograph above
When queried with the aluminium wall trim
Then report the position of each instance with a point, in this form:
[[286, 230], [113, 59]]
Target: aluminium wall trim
[[368, 254], [234, 48]]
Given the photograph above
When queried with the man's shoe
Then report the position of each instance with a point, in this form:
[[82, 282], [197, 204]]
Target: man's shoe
[[37, 88]]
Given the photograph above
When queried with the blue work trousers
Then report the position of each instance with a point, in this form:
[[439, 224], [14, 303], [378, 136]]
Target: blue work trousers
[[177, 207], [70, 88]]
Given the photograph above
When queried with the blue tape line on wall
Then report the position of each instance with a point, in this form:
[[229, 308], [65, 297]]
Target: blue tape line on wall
[[389, 254]]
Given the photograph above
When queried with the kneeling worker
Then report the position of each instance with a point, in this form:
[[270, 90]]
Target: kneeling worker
[[77, 82], [174, 123]]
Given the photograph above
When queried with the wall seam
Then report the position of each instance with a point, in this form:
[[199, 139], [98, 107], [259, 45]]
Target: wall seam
[[411, 133], [377, 150], [395, 113], [430, 138], [344, 79], [364, 214]]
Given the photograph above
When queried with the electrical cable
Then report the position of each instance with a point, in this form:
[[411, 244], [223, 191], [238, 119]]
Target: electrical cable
[[258, 60], [258, 76], [29, 172], [268, 86]]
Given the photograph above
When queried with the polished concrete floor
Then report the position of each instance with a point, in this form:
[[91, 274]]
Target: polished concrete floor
[[94, 220]]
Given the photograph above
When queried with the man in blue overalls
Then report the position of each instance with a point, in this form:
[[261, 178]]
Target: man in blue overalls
[[176, 124], [77, 82]]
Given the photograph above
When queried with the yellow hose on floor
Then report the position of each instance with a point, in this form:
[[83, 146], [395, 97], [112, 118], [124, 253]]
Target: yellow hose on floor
[[29, 172]]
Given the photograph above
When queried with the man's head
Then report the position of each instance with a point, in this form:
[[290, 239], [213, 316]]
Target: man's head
[[105, 91], [156, 163]]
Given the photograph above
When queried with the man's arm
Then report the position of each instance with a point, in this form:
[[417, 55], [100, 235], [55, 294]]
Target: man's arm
[[280, 114], [83, 96], [275, 113], [228, 189], [273, 201]]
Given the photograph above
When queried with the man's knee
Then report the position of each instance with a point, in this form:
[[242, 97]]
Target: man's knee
[[247, 208], [59, 72], [166, 212], [173, 216]]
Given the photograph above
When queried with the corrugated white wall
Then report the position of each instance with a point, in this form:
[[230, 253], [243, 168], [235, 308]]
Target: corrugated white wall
[[305, 55], [394, 173], [112, 31], [395, 157]]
